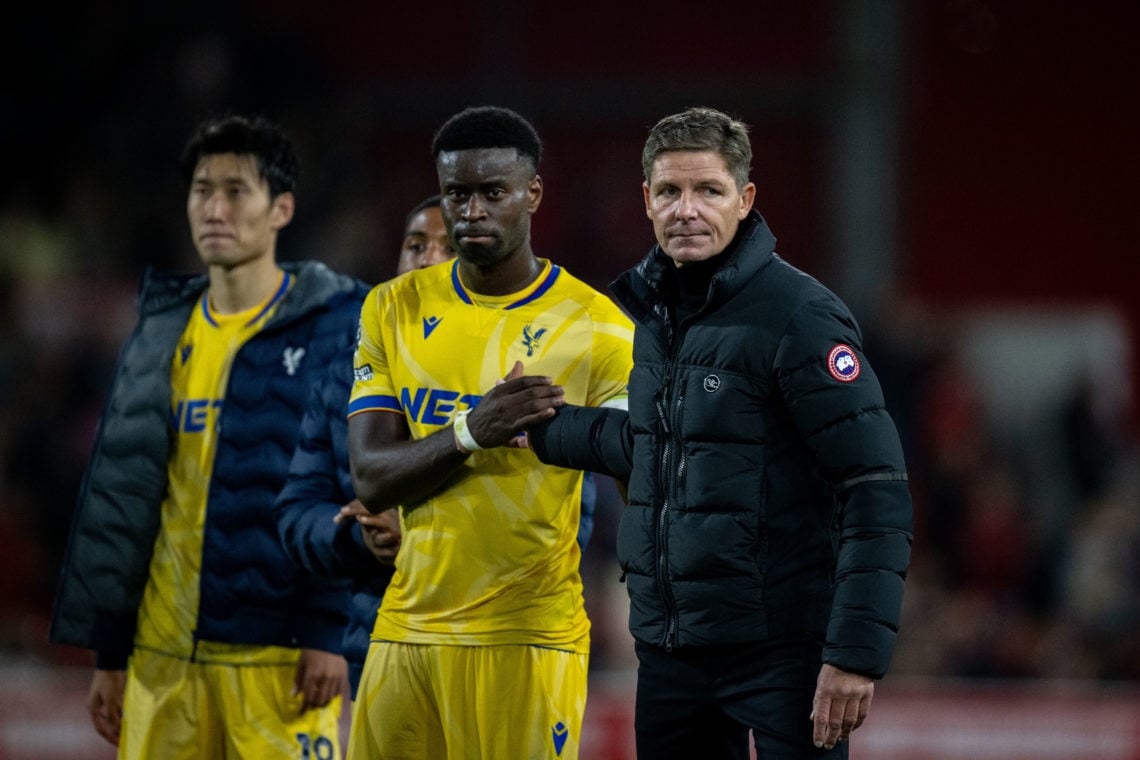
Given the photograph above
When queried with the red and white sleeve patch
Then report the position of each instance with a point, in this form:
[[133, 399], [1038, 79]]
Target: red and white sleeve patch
[[843, 364]]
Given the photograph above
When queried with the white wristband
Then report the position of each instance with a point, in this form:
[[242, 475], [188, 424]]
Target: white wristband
[[463, 438]]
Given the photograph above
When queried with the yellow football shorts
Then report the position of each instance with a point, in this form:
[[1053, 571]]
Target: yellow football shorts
[[435, 702], [181, 710]]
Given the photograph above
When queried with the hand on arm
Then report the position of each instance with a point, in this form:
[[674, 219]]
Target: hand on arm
[[516, 403], [841, 703], [389, 469], [320, 677], [105, 702]]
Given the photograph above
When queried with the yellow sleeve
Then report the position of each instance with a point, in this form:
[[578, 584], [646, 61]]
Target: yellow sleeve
[[612, 355], [372, 386]]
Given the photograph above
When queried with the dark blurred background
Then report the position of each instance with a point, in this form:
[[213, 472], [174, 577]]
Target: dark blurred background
[[962, 172]]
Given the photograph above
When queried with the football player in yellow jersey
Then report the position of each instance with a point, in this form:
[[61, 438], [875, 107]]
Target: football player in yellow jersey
[[209, 643], [481, 644]]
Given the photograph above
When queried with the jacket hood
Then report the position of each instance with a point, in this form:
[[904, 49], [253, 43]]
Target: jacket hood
[[314, 285]]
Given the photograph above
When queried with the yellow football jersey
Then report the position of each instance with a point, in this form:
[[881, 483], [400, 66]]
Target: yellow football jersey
[[492, 557], [199, 375]]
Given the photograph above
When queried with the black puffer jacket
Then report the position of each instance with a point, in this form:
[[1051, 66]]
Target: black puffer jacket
[[767, 485]]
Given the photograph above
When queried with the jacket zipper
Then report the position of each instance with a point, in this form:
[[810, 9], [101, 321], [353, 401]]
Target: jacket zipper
[[666, 482]]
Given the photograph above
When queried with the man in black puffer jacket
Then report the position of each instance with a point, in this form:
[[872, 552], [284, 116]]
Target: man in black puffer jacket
[[769, 523]]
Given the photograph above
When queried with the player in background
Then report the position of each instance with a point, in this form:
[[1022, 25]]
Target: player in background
[[324, 527], [209, 642]]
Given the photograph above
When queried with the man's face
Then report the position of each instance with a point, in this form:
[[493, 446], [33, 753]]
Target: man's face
[[488, 197], [232, 219], [694, 204], [425, 242]]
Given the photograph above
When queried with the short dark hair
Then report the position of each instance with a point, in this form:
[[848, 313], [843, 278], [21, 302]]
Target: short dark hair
[[701, 129], [258, 137], [488, 127], [432, 201]]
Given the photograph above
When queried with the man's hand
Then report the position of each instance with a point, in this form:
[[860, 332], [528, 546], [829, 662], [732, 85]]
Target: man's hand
[[381, 532], [320, 677], [520, 441], [840, 705], [382, 535], [105, 702], [513, 405]]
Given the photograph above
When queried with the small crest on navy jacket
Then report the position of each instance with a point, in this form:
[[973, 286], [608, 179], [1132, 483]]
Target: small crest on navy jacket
[[842, 363], [291, 357]]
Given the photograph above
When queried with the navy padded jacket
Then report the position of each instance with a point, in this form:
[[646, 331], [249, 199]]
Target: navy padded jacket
[[251, 592]]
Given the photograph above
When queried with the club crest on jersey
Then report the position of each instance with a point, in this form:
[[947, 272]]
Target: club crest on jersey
[[531, 337], [291, 358], [843, 364]]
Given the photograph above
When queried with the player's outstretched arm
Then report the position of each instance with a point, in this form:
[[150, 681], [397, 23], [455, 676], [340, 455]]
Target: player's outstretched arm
[[586, 438], [390, 469]]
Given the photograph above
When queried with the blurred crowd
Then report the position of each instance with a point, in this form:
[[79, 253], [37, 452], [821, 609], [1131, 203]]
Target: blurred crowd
[[1027, 550]]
